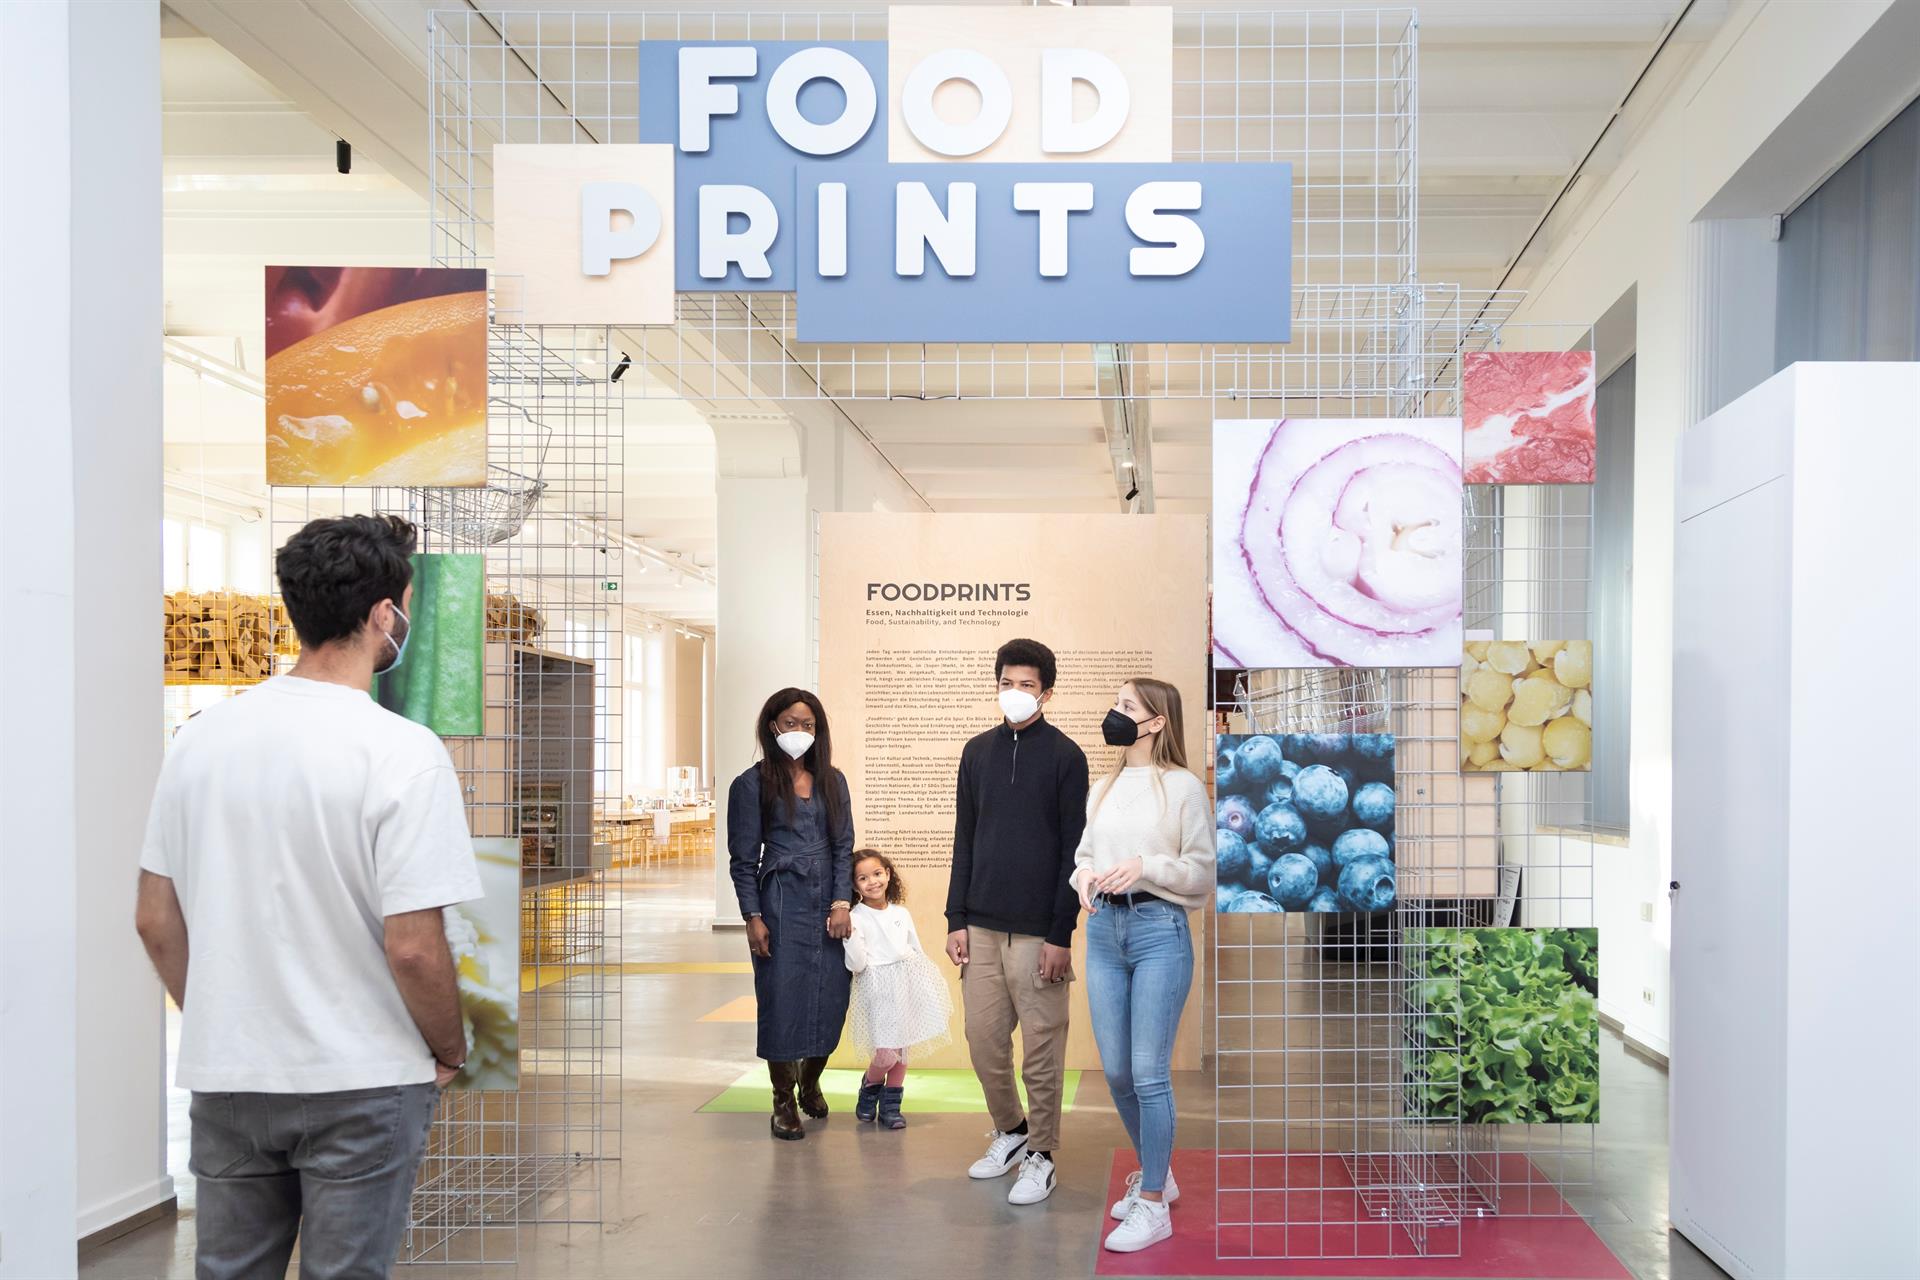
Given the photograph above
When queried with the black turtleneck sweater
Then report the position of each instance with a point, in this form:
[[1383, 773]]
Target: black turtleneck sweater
[[1020, 809]]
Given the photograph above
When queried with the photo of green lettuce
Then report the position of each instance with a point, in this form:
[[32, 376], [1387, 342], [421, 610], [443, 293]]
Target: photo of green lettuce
[[1524, 1046]]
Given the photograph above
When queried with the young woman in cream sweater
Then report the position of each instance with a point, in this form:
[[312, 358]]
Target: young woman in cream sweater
[[1145, 861]]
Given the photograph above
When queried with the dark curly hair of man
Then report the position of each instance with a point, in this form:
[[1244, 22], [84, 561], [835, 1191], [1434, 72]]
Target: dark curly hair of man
[[334, 571], [1026, 653]]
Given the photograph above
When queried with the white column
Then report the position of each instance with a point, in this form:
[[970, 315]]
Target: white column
[[81, 1086], [118, 315], [765, 564], [38, 937]]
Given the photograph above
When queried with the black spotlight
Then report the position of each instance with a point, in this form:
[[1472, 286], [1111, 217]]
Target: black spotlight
[[1133, 493], [343, 155], [620, 370]]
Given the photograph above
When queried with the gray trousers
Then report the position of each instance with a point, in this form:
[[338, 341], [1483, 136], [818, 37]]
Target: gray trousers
[[334, 1169]]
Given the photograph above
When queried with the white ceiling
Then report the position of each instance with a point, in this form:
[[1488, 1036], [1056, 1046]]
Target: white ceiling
[[1512, 94]]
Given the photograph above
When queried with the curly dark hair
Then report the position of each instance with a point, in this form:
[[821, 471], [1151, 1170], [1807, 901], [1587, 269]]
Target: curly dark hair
[[334, 571], [896, 887], [1026, 653]]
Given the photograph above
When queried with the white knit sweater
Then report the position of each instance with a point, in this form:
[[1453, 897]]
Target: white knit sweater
[[1173, 840]]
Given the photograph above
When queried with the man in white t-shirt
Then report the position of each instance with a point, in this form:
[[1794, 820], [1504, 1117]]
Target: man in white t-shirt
[[302, 844]]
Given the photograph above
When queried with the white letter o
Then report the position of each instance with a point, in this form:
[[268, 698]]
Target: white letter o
[[822, 63], [935, 134]]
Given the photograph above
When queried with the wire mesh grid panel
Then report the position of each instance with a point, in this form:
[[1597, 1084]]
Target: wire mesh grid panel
[[1341, 1129], [546, 529], [1529, 577], [1320, 1019]]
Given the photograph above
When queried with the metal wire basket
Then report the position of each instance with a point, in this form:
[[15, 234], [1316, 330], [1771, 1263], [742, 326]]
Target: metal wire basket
[[498, 509]]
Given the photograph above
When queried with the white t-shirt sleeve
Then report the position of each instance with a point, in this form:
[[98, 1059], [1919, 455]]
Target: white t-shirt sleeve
[[422, 850], [156, 850]]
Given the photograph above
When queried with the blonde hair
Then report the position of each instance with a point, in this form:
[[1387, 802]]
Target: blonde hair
[[1161, 700]]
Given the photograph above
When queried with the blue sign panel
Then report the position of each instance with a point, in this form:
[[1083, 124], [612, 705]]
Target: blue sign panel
[[1152, 253], [744, 148]]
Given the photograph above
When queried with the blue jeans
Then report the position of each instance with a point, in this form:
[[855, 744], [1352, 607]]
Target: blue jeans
[[335, 1169], [1139, 968]]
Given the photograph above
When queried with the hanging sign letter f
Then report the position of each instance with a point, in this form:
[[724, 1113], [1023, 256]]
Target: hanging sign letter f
[[600, 244]]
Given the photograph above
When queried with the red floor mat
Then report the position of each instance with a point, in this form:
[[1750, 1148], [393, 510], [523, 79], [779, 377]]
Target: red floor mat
[[1323, 1215]]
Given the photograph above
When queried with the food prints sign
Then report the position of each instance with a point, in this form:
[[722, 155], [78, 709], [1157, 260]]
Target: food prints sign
[[952, 604], [998, 175], [912, 608]]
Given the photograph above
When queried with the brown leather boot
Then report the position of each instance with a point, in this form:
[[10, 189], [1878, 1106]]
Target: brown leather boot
[[812, 1101], [786, 1119]]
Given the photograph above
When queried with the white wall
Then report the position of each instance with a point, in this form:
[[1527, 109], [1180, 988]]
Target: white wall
[[81, 1115], [1745, 94]]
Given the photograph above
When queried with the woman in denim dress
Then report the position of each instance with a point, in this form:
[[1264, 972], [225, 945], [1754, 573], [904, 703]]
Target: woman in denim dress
[[790, 847]]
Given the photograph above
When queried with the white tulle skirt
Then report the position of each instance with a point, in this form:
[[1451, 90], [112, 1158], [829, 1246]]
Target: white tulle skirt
[[903, 1005]]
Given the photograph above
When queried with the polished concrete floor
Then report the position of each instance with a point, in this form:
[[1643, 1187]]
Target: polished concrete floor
[[713, 1196]]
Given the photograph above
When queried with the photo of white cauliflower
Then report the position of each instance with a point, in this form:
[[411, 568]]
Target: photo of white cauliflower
[[484, 936]]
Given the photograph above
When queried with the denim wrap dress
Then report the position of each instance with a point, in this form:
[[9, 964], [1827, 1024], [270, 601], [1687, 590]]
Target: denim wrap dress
[[790, 868]]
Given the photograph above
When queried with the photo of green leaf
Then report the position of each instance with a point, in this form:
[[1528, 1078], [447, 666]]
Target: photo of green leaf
[[440, 681], [1512, 1029]]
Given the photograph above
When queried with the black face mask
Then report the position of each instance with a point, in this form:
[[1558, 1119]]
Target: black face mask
[[1120, 729]]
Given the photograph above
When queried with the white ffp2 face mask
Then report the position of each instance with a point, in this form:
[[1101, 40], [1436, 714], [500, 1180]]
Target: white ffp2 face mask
[[1018, 705], [795, 744]]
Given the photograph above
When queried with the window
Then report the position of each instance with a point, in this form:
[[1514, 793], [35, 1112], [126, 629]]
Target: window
[[173, 544], [194, 556], [1849, 283], [206, 558], [636, 773]]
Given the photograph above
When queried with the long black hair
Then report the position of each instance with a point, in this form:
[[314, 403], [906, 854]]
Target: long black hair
[[776, 779]]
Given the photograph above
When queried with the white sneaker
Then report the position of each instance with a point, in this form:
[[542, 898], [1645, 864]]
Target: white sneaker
[[1035, 1182], [1146, 1224], [1169, 1194], [1002, 1154]]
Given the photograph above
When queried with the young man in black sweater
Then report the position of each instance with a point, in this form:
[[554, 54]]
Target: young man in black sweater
[[1020, 808]]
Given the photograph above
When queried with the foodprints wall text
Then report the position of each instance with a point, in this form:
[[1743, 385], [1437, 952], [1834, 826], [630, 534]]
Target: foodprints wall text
[[929, 592]]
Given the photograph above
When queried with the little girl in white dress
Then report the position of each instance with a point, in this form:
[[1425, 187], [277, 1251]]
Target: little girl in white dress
[[900, 1001]]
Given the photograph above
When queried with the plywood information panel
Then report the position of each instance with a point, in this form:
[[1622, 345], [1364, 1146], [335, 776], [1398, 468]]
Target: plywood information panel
[[912, 608]]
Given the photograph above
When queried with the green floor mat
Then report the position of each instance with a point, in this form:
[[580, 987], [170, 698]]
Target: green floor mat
[[929, 1091]]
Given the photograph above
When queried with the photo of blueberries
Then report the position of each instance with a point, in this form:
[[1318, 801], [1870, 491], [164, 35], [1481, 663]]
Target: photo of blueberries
[[1305, 822]]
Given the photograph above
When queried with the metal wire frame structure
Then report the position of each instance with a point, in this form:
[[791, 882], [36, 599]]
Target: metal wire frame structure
[[1334, 94], [547, 528], [1322, 1026], [1530, 576]]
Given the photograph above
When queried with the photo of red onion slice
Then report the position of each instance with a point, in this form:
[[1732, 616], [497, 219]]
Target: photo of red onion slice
[[1337, 542]]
